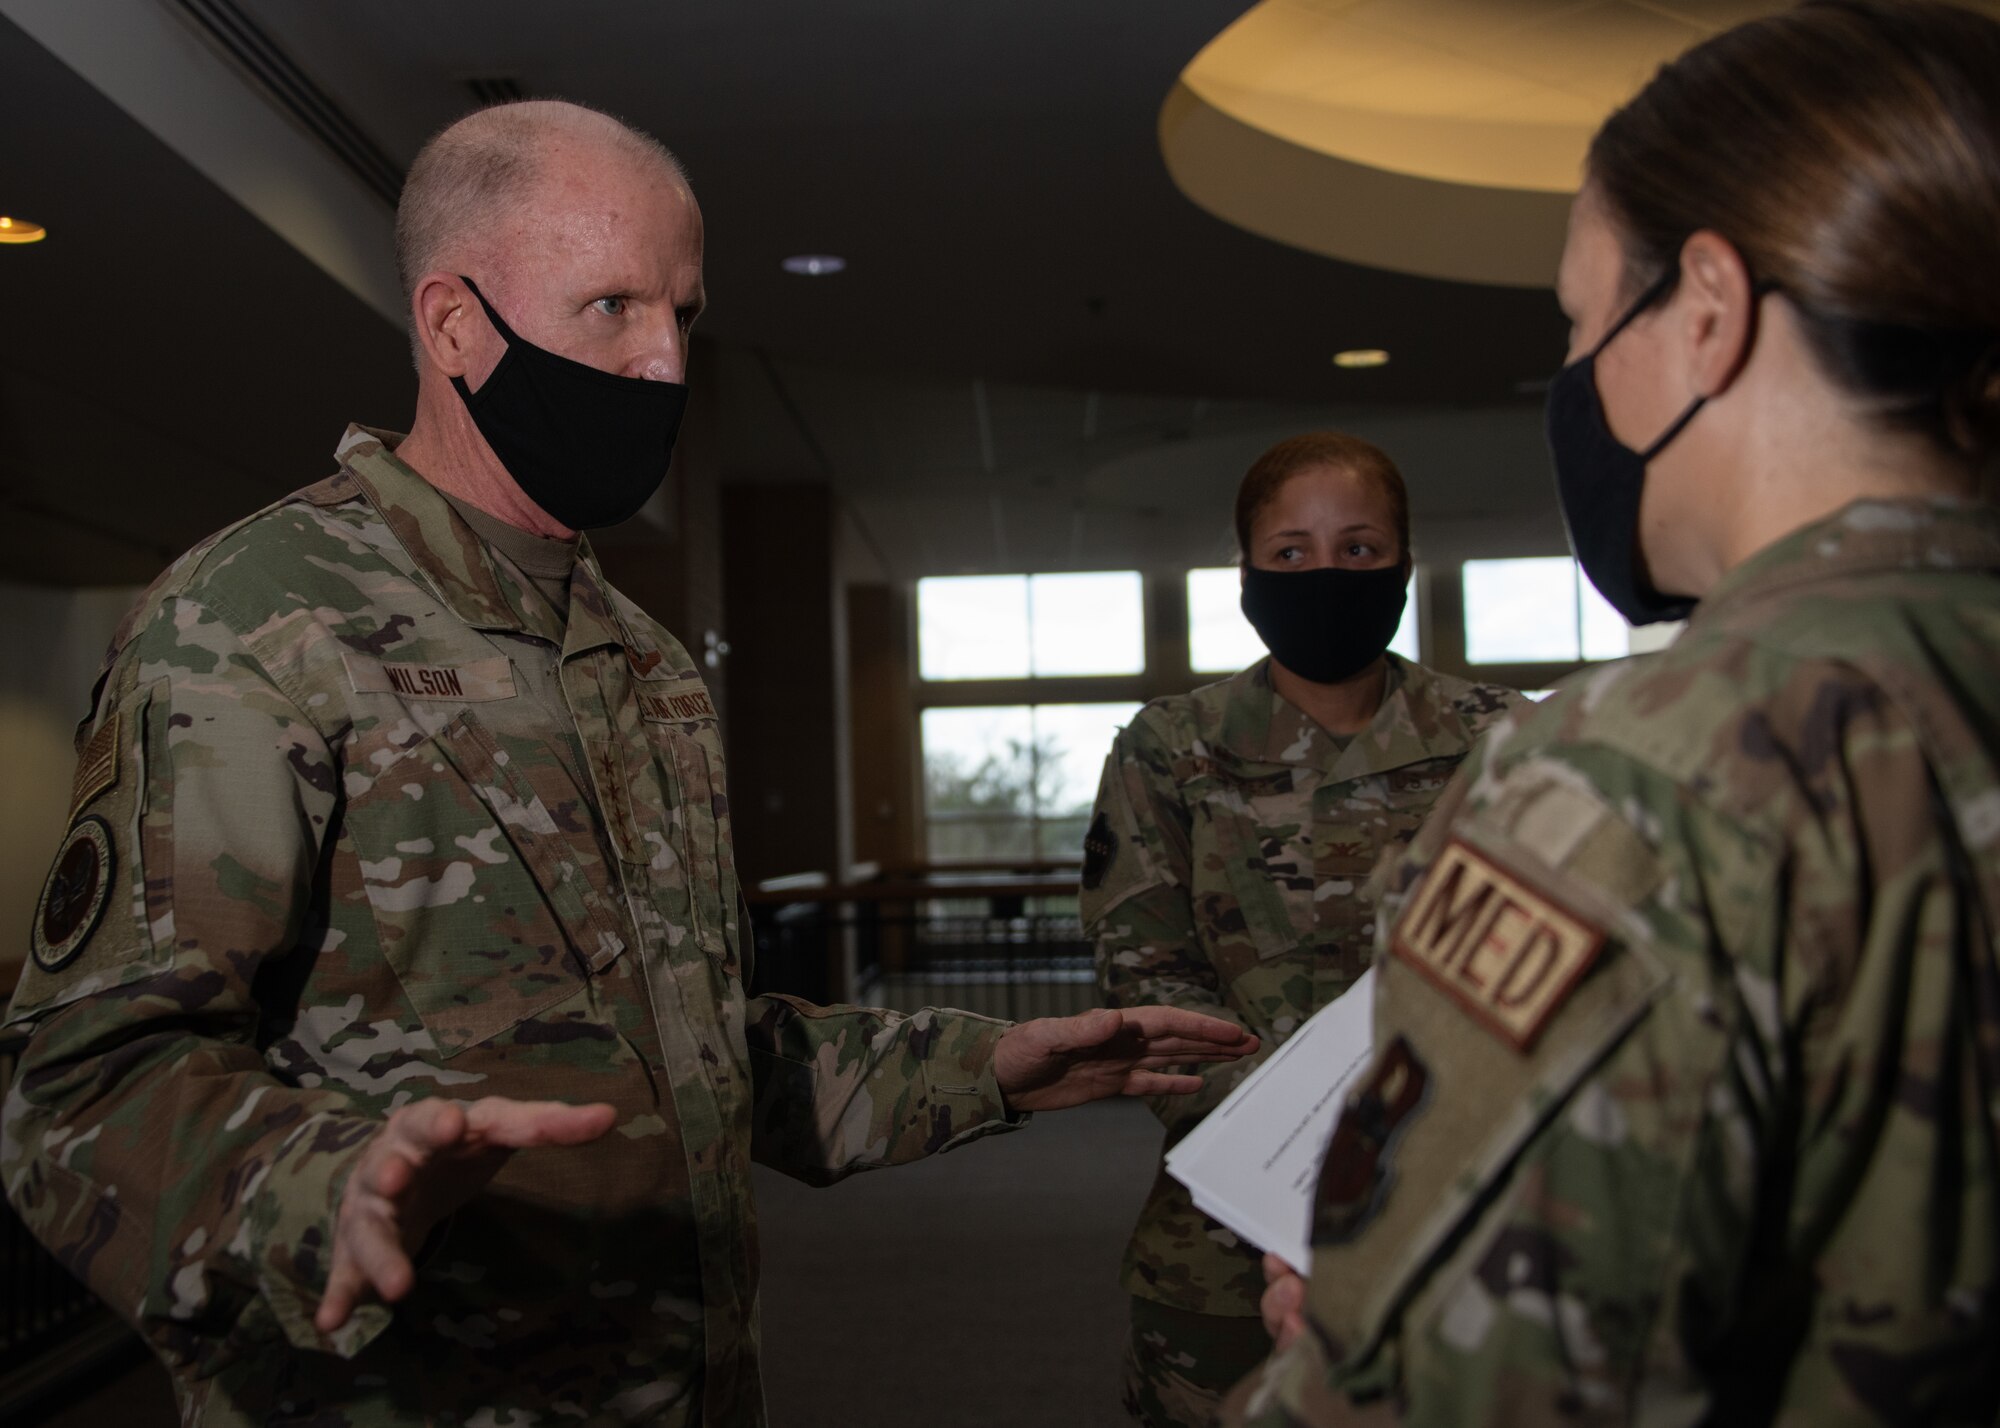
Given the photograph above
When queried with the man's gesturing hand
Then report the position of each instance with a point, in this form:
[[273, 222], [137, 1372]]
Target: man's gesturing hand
[[1064, 1061], [430, 1158]]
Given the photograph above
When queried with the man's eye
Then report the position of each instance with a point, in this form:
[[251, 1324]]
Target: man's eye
[[610, 306], [686, 316]]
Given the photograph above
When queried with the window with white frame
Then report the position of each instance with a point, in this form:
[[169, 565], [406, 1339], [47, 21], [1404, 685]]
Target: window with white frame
[[1543, 610], [1014, 781], [1030, 626]]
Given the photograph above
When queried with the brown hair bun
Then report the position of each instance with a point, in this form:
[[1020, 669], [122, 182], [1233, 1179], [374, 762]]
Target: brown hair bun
[[1850, 150]]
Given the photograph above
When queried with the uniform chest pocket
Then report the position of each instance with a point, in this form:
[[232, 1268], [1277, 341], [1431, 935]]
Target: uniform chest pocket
[[1252, 871], [479, 899]]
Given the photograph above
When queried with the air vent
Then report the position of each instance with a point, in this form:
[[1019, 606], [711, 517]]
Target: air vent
[[495, 89], [259, 56]]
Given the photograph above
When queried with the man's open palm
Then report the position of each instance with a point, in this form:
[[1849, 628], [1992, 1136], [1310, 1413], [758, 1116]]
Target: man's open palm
[[427, 1160], [1064, 1061]]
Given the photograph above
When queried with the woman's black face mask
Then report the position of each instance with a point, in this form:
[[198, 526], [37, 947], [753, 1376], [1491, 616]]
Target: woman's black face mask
[[1325, 625], [1599, 479]]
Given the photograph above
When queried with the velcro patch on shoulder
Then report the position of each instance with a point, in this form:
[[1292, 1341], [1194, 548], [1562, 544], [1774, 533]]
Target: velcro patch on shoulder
[[74, 897], [1506, 952], [475, 682], [684, 704], [96, 767], [1100, 846]]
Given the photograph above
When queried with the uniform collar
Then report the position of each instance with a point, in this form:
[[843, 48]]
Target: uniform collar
[[460, 567], [1417, 721], [1864, 538]]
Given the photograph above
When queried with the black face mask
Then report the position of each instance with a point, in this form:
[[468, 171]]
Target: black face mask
[[1325, 625], [589, 447], [1599, 480]]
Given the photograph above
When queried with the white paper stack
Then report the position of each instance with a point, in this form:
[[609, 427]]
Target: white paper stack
[[1253, 1161]]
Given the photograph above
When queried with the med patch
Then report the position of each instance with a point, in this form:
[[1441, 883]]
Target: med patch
[[74, 897], [1506, 952]]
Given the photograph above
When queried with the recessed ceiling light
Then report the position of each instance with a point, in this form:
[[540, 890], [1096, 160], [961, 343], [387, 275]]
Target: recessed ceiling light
[[19, 230], [1361, 357], [814, 265]]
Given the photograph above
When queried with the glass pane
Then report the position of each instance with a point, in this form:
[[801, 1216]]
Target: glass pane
[[1220, 640], [1404, 642], [1605, 633], [981, 840], [1088, 624], [979, 761], [1062, 839], [1520, 611], [972, 627], [1071, 741]]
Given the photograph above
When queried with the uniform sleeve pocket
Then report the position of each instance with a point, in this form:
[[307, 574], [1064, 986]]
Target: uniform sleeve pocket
[[99, 922], [1457, 1093], [477, 903]]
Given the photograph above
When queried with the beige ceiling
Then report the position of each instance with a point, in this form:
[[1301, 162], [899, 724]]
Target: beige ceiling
[[1439, 137]]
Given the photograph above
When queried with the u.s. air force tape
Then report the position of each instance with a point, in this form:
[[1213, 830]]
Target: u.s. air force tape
[[74, 898]]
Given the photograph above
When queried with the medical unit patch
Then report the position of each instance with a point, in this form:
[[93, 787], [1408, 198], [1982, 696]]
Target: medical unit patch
[[1502, 950]]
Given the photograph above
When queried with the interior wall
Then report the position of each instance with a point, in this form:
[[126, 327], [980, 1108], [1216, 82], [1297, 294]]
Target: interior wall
[[786, 681], [51, 644]]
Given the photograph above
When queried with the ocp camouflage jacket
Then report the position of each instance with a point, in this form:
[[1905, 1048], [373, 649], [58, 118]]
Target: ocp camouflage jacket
[[1686, 1098], [360, 819], [1234, 839]]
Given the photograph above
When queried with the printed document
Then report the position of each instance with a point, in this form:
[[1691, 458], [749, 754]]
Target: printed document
[[1254, 1160]]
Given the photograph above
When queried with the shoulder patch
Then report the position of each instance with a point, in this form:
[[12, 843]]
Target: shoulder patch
[[1100, 846], [1504, 951], [74, 897], [96, 767]]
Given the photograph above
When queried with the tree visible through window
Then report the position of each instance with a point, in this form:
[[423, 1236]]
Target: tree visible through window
[[1014, 781]]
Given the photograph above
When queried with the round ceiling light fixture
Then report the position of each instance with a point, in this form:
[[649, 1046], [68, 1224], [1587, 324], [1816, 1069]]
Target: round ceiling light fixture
[[19, 230], [813, 265], [1358, 357]]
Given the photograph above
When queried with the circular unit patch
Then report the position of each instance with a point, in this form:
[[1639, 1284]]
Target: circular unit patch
[[74, 897]]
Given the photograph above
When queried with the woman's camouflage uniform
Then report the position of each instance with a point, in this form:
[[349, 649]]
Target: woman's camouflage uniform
[[1736, 1159], [1226, 872]]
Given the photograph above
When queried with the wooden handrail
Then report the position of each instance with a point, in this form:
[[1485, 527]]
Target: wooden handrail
[[914, 891], [1023, 866]]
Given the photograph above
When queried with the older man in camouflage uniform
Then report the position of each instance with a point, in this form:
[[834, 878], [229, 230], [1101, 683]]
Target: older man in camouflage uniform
[[1228, 874], [1688, 1032], [400, 845]]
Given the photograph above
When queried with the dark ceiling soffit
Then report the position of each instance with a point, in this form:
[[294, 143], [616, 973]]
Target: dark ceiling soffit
[[239, 38]]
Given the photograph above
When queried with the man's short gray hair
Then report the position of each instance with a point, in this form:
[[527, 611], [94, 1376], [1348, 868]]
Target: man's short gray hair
[[485, 163]]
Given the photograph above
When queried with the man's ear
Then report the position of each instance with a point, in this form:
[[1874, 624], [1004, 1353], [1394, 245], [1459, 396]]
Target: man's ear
[[441, 311], [1718, 303]]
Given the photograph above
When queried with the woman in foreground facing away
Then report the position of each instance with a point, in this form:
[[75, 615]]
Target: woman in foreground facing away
[[1227, 862], [1685, 1105]]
